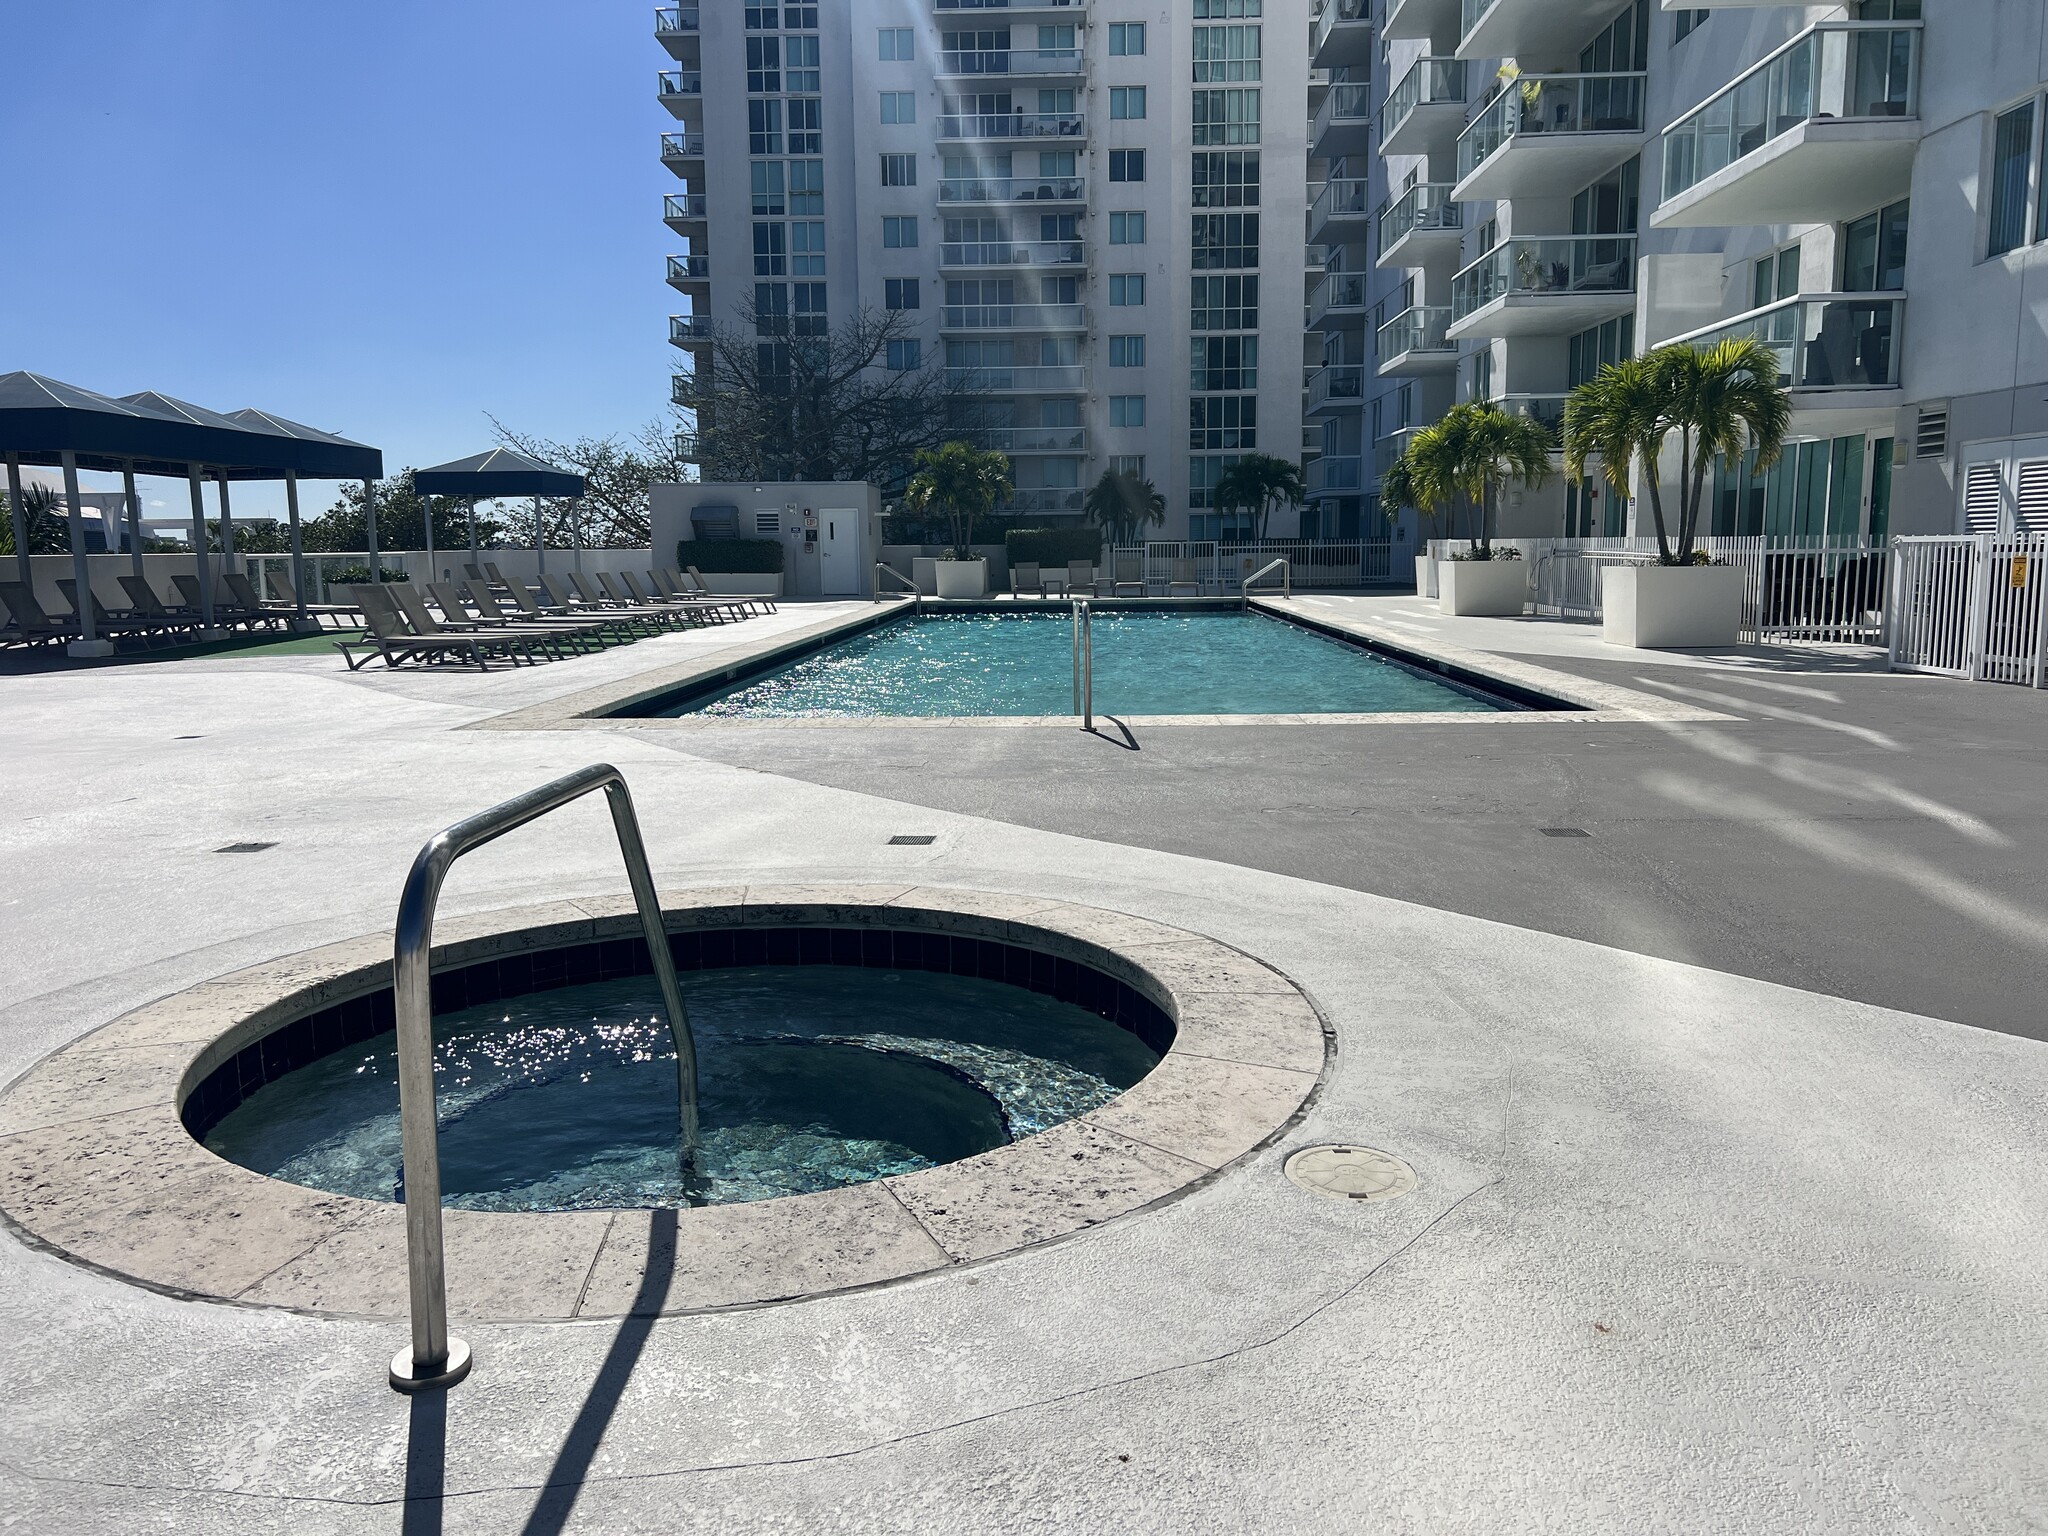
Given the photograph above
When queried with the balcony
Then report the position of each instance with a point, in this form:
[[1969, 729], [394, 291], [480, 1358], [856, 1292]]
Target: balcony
[[680, 89], [689, 330], [1523, 29], [1333, 474], [1342, 212], [1343, 124], [1013, 189], [1404, 19], [985, 127], [681, 146], [1036, 63], [1832, 343], [675, 28], [1413, 342], [1336, 387], [1424, 224], [1545, 287], [1548, 135], [1036, 439], [1822, 130], [1048, 255], [1342, 35], [680, 210], [1014, 317], [1042, 500], [1425, 109], [1339, 303], [1547, 411], [1028, 379], [688, 271], [1386, 451]]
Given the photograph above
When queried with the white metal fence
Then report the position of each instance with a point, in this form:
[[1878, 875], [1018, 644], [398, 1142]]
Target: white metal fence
[[1219, 566], [1972, 606]]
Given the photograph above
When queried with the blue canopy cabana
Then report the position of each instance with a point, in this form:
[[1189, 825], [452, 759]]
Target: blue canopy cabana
[[500, 472]]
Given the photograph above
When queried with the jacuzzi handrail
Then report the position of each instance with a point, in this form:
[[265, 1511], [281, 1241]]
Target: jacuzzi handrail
[[1244, 588], [916, 594], [435, 1360]]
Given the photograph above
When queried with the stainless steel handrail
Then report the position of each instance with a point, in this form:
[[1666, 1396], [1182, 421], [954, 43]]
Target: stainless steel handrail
[[1244, 588], [434, 1360], [1084, 664], [916, 596]]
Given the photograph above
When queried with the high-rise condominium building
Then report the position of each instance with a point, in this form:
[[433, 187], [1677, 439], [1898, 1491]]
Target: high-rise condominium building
[[1086, 207], [1520, 191]]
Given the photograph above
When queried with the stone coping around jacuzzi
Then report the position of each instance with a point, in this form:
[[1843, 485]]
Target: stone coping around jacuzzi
[[97, 1166]]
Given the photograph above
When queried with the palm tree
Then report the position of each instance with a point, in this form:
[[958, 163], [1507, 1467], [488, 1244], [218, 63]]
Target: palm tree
[[1259, 482], [1722, 401], [1124, 504], [48, 524], [1462, 461], [962, 483]]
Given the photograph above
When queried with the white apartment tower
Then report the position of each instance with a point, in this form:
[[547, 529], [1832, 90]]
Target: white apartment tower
[[1088, 205], [1519, 191]]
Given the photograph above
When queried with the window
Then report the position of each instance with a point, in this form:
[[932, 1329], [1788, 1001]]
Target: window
[[1888, 10], [1126, 39], [1127, 165], [1223, 421], [1126, 101], [899, 170], [769, 257], [767, 179], [1127, 229], [1127, 410], [1591, 350], [807, 249], [806, 132], [1685, 23], [899, 234], [1226, 117], [2012, 157], [899, 106], [1226, 179], [1132, 464], [1127, 288], [771, 309], [766, 18], [1223, 363], [1874, 251], [1127, 351], [899, 293], [1226, 54], [1774, 277], [1623, 45], [1224, 304], [800, 61], [905, 356], [1612, 205], [1059, 164], [810, 309], [1203, 473], [764, 127], [764, 64], [898, 44], [1227, 10], [807, 187], [1225, 240]]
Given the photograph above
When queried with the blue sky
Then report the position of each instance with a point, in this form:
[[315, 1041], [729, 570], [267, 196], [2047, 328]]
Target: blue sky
[[380, 217]]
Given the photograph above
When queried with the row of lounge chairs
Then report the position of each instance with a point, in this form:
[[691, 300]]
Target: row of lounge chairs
[[1084, 576], [148, 618], [486, 618]]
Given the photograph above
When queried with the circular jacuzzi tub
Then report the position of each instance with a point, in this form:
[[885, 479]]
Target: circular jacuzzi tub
[[892, 1080]]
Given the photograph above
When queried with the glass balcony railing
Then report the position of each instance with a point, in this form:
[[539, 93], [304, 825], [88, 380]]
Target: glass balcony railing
[[675, 18], [683, 205], [1013, 189], [682, 82], [1042, 499], [1339, 290], [1346, 102], [1334, 472], [1021, 379], [1429, 81], [1014, 317], [1007, 5], [1010, 61], [682, 146], [1336, 382], [1838, 70], [1425, 206], [1547, 411], [1568, 264], [1037, 439], [1013, 253], [1826, 341], [1346, 196], [1012, 125], [689, 327], [1333, 12], [1386, 451], [689, 269], [1418, 329], [1552, 104]]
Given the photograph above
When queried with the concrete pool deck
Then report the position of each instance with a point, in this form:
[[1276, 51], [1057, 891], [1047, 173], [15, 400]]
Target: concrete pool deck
[[1688, 1250]]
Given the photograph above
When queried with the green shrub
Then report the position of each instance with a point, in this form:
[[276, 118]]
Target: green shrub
[[731, 557], [1053, 546]]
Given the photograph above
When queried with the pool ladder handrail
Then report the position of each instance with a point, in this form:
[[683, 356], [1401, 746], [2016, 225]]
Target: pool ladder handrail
[[1244, 588], [1084, 664], [435, 1361], [916, 595]]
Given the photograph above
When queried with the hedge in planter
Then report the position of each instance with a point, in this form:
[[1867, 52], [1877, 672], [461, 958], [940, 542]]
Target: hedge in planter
[[1053, 547], [731, 557]]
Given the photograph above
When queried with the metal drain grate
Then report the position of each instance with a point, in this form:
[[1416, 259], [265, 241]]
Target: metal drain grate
[[912, 839], [1350, 1173], [245, 847], [1564, 831]]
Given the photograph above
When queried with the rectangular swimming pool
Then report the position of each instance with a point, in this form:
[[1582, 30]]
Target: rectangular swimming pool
[[1021, 664]]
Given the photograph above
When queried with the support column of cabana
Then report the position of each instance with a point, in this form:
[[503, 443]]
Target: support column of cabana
[[500, 472]]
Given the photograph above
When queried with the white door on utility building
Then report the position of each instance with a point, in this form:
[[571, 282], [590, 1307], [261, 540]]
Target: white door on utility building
[[838, 551]]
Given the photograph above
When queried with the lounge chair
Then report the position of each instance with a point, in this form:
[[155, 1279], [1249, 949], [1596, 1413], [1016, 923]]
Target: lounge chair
[[385, 634], [1080, 577], [285, 596], [671, 586], [604, 626], [587, 600], [1130, 572], [700, 613], [226, 609], [670, 613], [494, 620], [420, 619], [1026, 577], [143, 600], [27, 623], [113, 624], [1181, 573], [760, 600]]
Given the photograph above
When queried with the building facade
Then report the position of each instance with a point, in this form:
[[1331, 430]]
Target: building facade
[[1544, 186], [1092, 211]]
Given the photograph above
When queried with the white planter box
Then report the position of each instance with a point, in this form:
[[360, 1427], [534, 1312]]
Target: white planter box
[[744, 583], [1482, 588], [961, 578], [1425, 576], [1671, 607]]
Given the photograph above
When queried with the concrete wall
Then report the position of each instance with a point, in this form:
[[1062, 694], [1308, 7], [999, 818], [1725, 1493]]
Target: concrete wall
[[797, 512]]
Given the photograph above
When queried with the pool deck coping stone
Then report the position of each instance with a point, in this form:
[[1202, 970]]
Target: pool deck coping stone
[[97, 1166]]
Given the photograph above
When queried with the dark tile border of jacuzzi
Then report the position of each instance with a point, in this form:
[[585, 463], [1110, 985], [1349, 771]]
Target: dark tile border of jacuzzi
[[97, 1166]]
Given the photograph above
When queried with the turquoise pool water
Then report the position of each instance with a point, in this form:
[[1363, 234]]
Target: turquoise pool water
[[1146, 663]]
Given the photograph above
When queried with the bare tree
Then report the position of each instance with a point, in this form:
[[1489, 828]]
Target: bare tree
[[613, 511]]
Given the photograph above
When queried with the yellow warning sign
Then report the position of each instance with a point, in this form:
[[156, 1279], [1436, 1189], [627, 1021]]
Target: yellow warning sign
[[2019, 570]]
